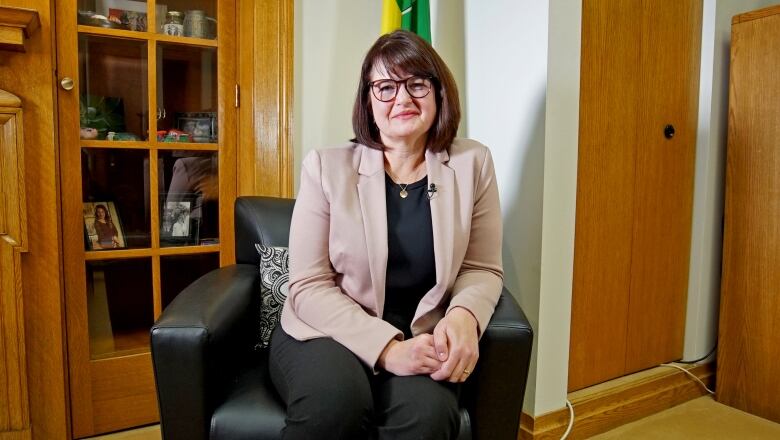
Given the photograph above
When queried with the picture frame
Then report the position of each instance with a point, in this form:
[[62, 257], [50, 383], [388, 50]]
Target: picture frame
[[202, 126], [102, 226], [178, 227]]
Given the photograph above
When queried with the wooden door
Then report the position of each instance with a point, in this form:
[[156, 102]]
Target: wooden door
[[748, 351], [148, 127], [639, 75]]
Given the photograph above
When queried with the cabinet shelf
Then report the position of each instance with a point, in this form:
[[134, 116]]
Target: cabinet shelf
[[124, 344], [119, 254], [145, 36], [185, 146], [202, 42], [142, 145], [146, 145]]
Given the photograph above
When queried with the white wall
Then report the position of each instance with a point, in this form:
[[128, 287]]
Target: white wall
[[331, 38], [707, 229], [560, 197], [506, 70]]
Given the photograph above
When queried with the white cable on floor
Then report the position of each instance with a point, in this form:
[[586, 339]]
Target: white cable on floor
[[690, 374], [571, 420]]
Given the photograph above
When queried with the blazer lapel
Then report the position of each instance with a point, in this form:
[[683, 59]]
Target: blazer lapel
[[442, 204], [442, 221], [371, 192]]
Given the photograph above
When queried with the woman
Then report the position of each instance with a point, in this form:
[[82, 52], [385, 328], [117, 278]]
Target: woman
[[395, 258], [180, 226], [108, 238]]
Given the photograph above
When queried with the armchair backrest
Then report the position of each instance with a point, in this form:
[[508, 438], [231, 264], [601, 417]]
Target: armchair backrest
[[263, 220]]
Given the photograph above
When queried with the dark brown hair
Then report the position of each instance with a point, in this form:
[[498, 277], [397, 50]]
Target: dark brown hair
[[405, 51]]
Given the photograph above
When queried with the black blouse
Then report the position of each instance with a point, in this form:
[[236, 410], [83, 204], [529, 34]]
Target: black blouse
[[411, 268]]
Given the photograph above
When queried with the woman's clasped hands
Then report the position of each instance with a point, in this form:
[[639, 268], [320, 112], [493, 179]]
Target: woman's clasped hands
[[450, 353]]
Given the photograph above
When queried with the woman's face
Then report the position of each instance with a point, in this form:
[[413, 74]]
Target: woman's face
[[100, 213], [403, 119]]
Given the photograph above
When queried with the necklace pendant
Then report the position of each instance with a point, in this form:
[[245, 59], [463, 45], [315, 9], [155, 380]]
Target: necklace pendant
[[404, 193]]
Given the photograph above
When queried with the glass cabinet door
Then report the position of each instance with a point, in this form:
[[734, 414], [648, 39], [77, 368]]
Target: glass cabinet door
[[147, 165]]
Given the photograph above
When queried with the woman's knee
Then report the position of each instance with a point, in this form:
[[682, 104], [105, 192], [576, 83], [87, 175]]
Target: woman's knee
[[439, 417], [325, 388], [330, 413], [419, 407]]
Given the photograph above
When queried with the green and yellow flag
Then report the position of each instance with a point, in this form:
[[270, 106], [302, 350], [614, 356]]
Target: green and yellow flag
[[412, 15]]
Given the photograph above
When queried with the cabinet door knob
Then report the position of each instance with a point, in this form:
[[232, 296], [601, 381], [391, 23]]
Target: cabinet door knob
[[669, 131], [67, 83]]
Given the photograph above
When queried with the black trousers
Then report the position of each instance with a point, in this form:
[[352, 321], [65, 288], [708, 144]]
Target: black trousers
[[331, 394]]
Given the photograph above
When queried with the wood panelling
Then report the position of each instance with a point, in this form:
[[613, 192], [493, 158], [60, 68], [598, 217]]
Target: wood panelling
[[30, 76], [265, 161], [606, 406], [663, 192], [750, 306], [609, 105], [639, 72], [14, 409]]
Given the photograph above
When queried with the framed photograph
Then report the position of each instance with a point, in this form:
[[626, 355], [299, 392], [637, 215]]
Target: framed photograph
[[178, 227], [202, 126], [102, 226]]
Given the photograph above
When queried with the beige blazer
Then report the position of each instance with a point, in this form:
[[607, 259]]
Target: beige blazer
[[338, 245]]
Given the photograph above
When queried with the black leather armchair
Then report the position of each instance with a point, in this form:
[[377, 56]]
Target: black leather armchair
[[213, 384]]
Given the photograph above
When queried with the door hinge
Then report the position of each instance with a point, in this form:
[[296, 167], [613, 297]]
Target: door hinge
[[237, 96]]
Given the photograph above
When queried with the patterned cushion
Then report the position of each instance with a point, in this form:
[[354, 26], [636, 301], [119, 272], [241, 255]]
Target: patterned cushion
[[274, 279]]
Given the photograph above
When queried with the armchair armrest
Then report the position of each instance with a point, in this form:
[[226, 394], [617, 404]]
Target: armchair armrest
[[198, 341], [494, 394]]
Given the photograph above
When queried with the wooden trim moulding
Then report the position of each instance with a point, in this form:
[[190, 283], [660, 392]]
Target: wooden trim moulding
[[9, 100], [14, 408], [13, 215], [755, 15], [16, 435], [16, 25], [614, 403]]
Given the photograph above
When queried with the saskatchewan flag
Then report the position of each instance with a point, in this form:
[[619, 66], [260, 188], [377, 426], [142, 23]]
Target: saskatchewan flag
[[412, 15]]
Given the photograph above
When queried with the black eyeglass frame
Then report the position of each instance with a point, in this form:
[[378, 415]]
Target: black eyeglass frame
[[405, 82]]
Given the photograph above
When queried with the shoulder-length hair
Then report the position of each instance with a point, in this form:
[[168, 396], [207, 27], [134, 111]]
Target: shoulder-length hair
[[405, 51], [105, 209]]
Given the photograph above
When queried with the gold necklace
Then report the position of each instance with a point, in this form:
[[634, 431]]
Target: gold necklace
[[404, 194], [403, 190]]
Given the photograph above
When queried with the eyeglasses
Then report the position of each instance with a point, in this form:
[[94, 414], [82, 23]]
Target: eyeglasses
[[387, 89]]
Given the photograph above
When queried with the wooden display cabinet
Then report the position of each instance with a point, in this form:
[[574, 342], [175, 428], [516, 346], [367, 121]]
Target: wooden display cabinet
[[147, 129]]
